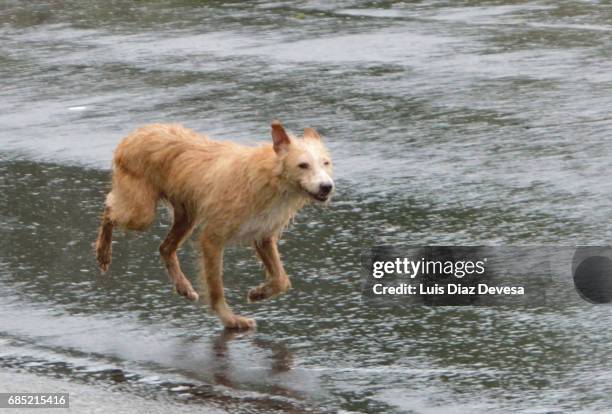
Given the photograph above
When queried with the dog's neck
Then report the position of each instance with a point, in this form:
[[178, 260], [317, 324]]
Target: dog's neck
[[271, 203], [268, 183]]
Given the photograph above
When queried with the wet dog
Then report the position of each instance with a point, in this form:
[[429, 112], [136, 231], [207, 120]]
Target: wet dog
[[232, 193]]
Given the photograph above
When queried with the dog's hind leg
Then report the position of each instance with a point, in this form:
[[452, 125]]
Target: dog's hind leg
[[181, 228], [277, 280], [212, 254], [130, 205], [104, 241]]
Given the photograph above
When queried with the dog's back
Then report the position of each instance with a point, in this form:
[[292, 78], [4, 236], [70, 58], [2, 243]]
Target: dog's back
[[169, 161], [152, 148]]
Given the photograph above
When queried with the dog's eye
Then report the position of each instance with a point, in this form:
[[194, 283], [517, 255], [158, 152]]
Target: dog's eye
[[326, 163], [303, 165]]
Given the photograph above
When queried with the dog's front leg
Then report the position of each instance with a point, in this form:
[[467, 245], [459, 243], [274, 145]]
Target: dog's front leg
[[277, 280], [212, 254], [181, 228]]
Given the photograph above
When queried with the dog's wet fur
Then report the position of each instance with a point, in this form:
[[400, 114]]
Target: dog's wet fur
[[230, 192]]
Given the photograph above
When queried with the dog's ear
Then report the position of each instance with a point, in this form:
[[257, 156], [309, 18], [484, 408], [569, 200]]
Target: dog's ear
[[279, 137], [310, 133]]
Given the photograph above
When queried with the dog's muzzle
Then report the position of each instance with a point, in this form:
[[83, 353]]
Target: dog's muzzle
[[323, 194]]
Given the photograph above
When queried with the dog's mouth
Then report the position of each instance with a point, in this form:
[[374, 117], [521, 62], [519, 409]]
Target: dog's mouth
[[317, 196]]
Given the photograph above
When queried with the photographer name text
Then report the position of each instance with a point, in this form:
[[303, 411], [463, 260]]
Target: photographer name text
[[448, 289]]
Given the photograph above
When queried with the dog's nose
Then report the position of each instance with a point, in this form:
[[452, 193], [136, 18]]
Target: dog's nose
[[325, 189]]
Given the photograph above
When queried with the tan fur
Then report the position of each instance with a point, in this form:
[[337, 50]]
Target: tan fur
[[234, 193]]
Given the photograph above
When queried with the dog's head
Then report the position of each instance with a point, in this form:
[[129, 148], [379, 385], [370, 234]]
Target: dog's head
[[306, 164]]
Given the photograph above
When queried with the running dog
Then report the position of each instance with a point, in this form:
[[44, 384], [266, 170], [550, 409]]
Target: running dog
[[232, 193]]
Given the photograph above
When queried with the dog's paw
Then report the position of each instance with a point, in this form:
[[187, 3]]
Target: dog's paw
[[104, 262], [104, 254], [260, 292], [268, 290], [191, 294], [239, 322], [187, 291]]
